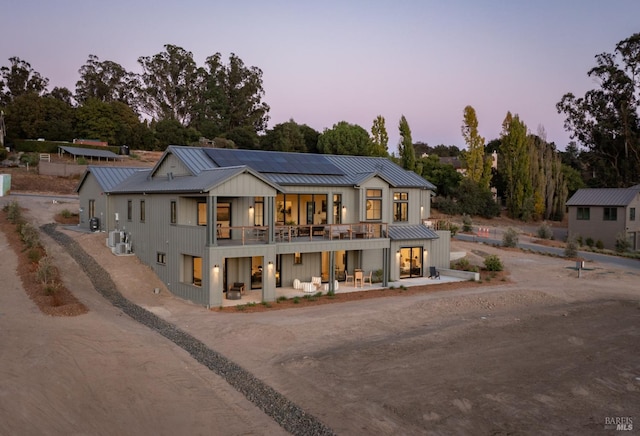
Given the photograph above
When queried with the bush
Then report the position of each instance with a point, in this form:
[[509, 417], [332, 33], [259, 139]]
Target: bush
[[599, 244], [493, 263], [29, 235], [461, 264], [377, 276], [571, 249], [544, 231], [510, 238], [622, 243], [589, 242], [34, 255], [45, 269], [467, 224], [66, 213], [14, 215]]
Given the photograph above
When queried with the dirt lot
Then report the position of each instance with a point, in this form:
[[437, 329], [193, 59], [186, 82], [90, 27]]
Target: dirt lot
[[545, 353]]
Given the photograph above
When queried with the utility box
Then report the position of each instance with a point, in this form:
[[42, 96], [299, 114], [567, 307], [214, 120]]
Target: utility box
[[5, 184]]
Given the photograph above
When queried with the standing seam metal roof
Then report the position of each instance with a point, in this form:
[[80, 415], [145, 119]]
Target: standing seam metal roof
[[603, 197], [409, 232], [109, 177]]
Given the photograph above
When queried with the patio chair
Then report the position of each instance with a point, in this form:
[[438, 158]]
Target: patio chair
[[347, 276], [368, 277], [433, 273]]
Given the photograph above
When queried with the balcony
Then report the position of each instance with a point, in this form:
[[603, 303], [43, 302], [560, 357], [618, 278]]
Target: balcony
[[251, 235]]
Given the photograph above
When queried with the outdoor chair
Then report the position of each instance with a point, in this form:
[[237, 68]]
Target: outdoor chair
[[433, 273], [347, 277], [238, 286], [368, 277]]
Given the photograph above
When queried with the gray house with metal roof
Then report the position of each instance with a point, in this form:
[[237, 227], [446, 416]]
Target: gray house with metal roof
[[205, 218], [604, 214]]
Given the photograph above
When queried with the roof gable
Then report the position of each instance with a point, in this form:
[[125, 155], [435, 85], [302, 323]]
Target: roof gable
[[108, 177]]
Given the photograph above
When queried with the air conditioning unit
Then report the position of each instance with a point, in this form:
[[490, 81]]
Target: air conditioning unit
[[114, 238], [121, 248]]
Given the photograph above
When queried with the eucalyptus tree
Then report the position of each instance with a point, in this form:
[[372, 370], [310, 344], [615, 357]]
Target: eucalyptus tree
[[106, 81], [405, 147], [379, 137], [606, 119], [20, 78], [171, 85]]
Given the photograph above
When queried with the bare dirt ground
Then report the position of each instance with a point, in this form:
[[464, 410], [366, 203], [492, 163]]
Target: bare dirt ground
[[545, 353]]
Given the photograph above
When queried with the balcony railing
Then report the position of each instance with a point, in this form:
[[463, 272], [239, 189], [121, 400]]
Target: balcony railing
[[247, 235]]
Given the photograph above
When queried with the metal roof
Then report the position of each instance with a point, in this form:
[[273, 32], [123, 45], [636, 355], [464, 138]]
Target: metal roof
[[393, 173], [89, 152], [603, 197], [108, 177], [407, 232], [205, 181], [194, 158]]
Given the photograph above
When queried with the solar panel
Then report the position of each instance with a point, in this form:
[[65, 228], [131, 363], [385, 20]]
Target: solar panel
[[274, 161]]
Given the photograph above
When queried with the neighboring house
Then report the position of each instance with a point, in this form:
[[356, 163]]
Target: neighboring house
[[604, 214], [205, 218]]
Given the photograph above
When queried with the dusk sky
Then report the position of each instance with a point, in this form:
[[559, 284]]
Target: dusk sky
[[324, 62]]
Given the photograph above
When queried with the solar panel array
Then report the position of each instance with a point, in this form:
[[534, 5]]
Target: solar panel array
[[274, 162]]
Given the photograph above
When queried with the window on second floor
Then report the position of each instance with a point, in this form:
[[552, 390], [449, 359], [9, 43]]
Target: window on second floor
[[129, 210], [610, 214], [401, 206], [374, 204], [202, 214], [174, 212], [143, 212], [632, 214], [583, 213]]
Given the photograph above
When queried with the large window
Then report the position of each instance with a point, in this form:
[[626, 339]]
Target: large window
[[374, 204], [583, 213], [143, 212], [632, 214], [401, 206], [610, 214], [258, 211]]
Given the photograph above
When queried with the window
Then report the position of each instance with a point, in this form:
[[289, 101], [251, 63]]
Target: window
[[401, 206], [632, 214], [610, 214], [142, 211], [161, 258], [258, 211], [374, 204], [174, 212], [297, 258], [92, 208], [583, 213], [202, 214], [337, 208], [197, 271], [129, 210]]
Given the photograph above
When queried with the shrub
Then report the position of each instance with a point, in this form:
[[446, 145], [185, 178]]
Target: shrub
[[599, 244], [34, 255], [29, 235], [510, 238], [45, 269], [467, 224], [571, 248], [13, 212], [493, 263], [377, 276], [622, 243], [589, 242], [66, 213], [544, 231]]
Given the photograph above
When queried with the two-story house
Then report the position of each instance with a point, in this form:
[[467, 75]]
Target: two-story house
[[605, 214], [204, 218]]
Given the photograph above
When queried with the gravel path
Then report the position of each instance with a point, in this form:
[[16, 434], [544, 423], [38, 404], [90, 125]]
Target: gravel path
[[288, 415]]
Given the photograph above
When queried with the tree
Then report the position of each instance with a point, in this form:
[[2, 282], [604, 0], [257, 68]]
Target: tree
[[232, 96], [444, 176], [405, 147], [20, 79], [171, 131], [106, 81], [32, 116], [514, 164], [477, 164], [606, 120], [379, 137], [284, 137], [171, 85], [344, 138]]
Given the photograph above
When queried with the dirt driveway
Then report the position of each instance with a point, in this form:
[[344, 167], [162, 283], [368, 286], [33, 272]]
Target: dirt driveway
[[547, 352]]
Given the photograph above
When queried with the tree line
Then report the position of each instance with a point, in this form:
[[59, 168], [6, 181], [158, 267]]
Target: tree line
[[175, 101]]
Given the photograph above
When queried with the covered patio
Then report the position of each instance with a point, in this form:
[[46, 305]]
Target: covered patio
[[255, 295]]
